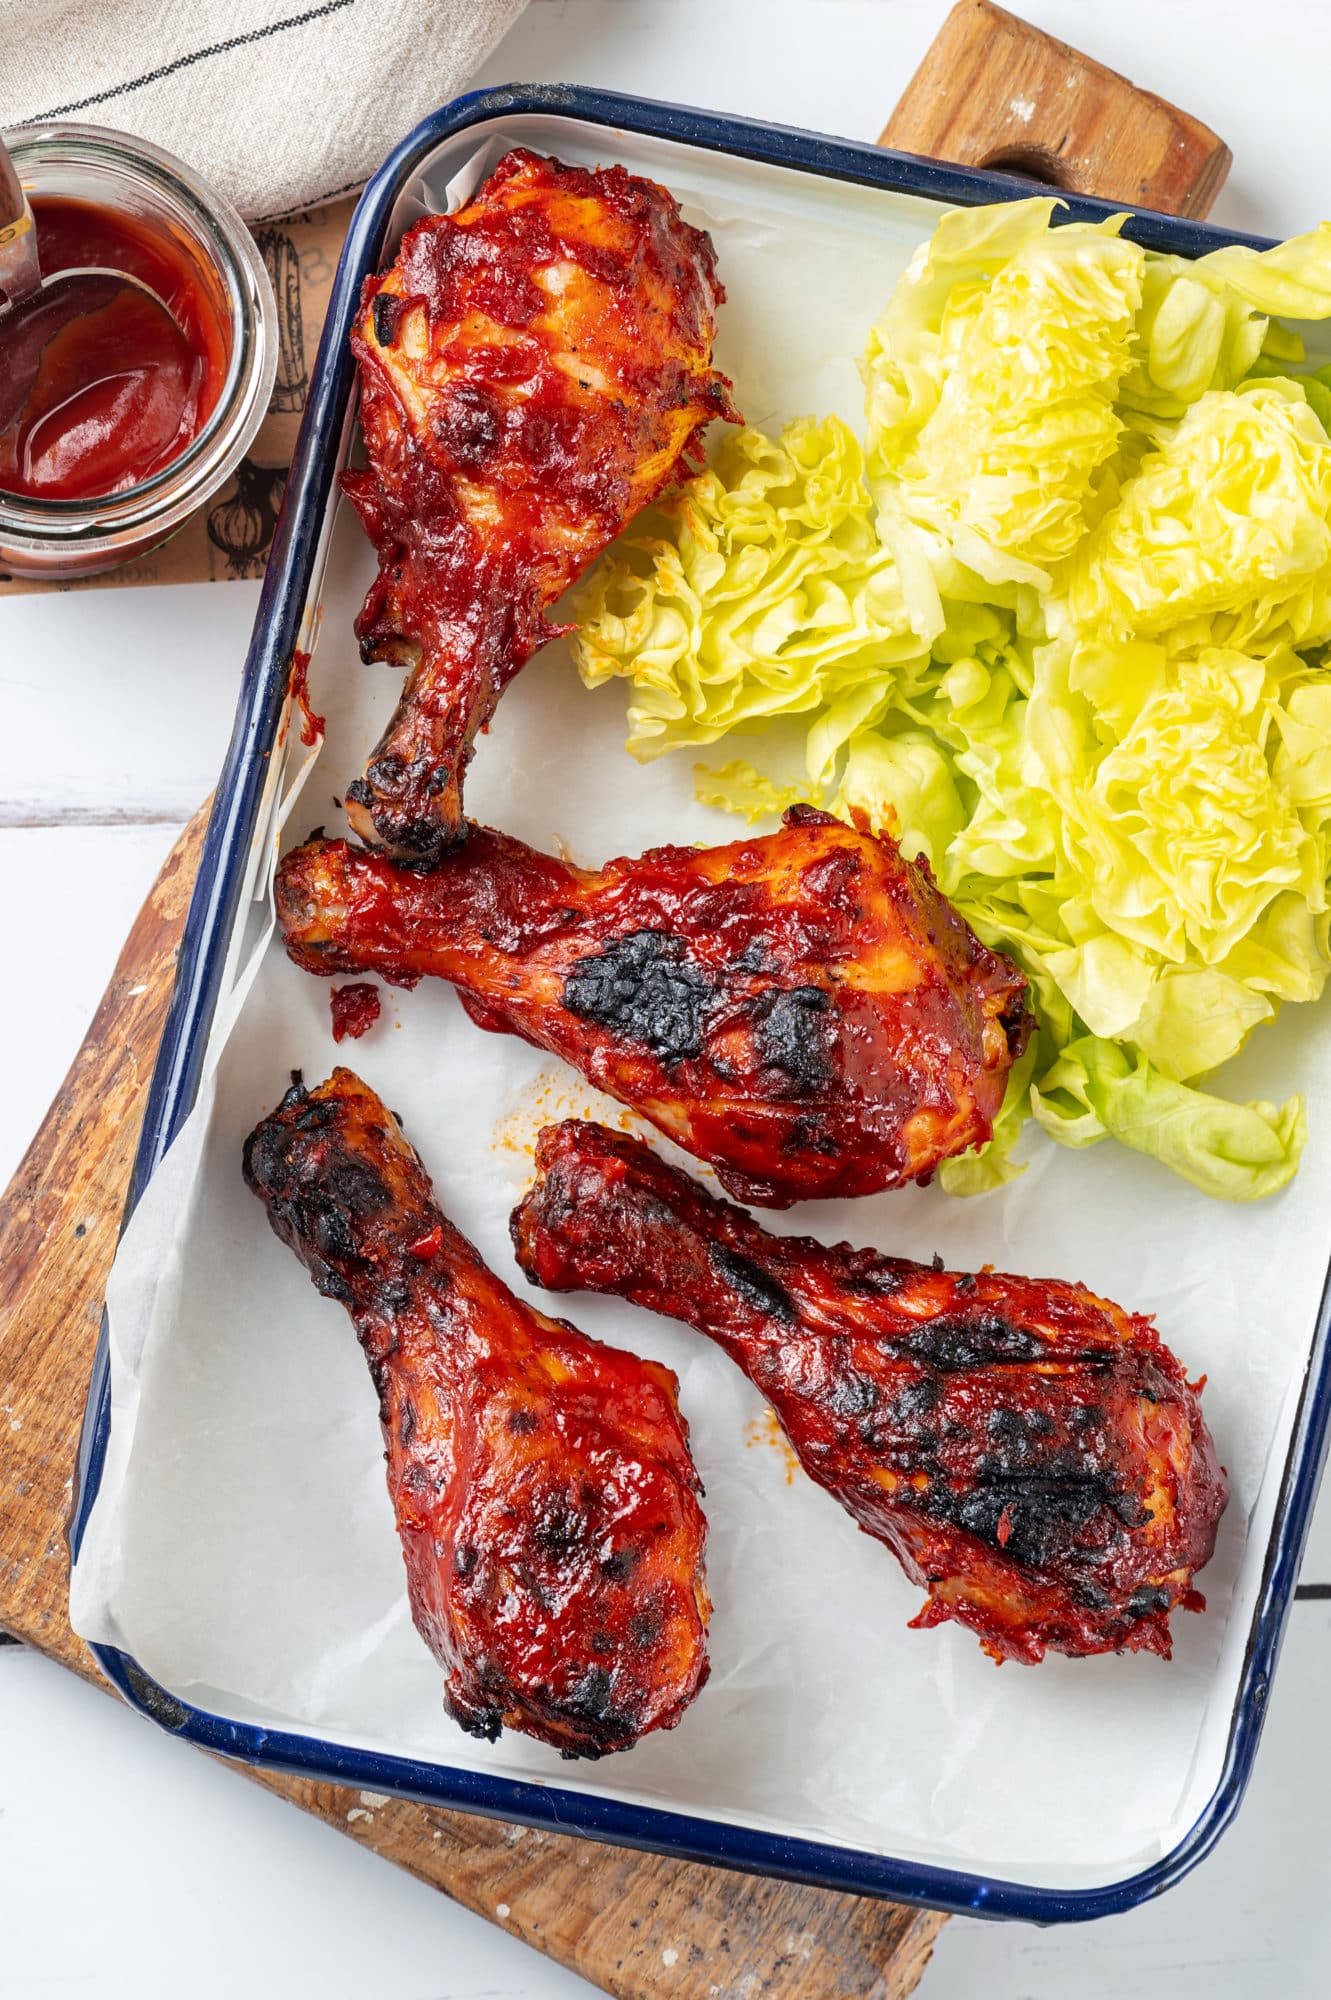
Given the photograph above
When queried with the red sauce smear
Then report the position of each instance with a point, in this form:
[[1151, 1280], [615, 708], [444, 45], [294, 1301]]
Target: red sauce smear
[[116, 392], [313, 726], [355, 1009]]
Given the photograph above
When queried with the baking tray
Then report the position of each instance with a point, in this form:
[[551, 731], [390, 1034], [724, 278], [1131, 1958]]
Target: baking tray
[[282, 622]]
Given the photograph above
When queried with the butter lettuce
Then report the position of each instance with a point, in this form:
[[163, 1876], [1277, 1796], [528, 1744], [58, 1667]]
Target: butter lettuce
[[1204, 324], [1291, 278], [1192, 334], [1223, 535], [909, 780], [761, 588], [1064, 629], [991, 382], [1177, 799], [1237, 1151]]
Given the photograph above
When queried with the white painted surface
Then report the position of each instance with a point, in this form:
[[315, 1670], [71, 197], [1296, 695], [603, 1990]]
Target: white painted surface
[[131, 1866], [118, 703]]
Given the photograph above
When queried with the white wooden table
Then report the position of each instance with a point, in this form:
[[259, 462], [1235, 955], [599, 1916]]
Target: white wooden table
[[129, 1865]]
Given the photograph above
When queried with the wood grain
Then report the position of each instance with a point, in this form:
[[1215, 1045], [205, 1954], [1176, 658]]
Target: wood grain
[[993, 91], [640, 1926]]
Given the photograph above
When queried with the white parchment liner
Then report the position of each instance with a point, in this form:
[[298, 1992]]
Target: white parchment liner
[[242, 1546]]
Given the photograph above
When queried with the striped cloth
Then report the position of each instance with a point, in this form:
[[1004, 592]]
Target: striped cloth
[[281, 104]]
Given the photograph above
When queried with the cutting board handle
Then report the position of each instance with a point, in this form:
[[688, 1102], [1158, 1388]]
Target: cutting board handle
[[993, 91]]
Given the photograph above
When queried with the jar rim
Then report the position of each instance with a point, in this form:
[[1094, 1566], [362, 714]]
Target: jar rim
[[168, 496]]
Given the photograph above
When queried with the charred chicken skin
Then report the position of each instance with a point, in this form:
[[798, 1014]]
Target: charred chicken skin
[[545, 1495], [534, 369], [803, 1010], [1032, 1454]]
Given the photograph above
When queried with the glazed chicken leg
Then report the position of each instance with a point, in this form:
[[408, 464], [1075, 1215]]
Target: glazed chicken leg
[[534, 370], [804, 1010], [545, 1496], [1031, 1454]]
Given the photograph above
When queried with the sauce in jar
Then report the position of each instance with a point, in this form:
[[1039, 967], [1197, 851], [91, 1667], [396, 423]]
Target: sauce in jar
[[118, 393]]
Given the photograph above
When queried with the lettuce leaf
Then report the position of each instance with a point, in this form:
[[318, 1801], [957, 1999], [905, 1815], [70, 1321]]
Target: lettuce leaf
[[738, 788], [1291, 278], [1122, 1027], [761, 588], [1223, 537], [1193, 334], [991, 382], [1171, 810], [906, 784], [1239, 1152]]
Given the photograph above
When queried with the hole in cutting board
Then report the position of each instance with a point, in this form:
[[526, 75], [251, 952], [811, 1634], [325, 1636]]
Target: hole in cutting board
[[1032, 163]]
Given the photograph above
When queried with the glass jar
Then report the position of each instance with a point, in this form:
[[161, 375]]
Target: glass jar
[[58, 540]]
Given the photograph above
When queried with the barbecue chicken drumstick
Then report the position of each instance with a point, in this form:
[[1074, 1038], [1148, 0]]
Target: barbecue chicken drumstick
[[802, 1009], [1031, 1454], [534, 369], [545, 1496]]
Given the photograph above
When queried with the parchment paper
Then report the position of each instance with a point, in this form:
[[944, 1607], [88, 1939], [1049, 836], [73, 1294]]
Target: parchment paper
[[242, 1545]]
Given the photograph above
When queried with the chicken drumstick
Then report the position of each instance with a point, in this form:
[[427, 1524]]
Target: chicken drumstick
[[534, 370], [545, 1496], [802, 1009], [1032, 1454]]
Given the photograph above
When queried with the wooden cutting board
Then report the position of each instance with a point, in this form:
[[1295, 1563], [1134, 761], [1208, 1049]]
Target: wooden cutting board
[[991, 91], [995, 92]]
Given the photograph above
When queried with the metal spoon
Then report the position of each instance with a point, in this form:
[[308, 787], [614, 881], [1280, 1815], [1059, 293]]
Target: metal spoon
[[33, 309]]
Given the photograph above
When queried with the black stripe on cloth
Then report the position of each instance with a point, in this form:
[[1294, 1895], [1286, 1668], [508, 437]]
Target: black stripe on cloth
[[186, 62], [1308, 1591], [315, 201]]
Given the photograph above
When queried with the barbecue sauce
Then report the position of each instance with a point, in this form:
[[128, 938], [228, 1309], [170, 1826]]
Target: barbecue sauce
[[118, 393]]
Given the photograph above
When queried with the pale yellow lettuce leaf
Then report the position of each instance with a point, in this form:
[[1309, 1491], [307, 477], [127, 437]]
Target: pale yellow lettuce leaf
[[903, 784], [1239, 1152], [1193, 333], [1180, 828], [738, 788], [991, 382], [1291, 278], [761, 588], [1224, 535]]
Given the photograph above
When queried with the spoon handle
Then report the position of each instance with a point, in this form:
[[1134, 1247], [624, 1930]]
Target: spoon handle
[[20, 272]]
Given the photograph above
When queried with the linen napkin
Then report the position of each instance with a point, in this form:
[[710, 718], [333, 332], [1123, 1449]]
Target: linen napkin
[[281, 104]]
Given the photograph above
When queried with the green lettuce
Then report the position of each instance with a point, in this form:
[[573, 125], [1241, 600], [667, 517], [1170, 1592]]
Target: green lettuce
[[1192, 833], [1291, 278], [991, 382], [1192, 334], [1222, 537], [1100, 1089], [1079, 1086], [1063, 629], [759, 589]]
